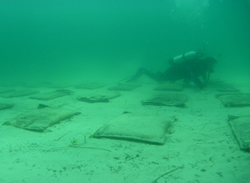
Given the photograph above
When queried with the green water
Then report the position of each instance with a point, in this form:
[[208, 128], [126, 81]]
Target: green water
[[77, 40]]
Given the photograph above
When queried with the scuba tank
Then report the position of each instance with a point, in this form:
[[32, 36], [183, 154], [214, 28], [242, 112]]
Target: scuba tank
[[181, 58]]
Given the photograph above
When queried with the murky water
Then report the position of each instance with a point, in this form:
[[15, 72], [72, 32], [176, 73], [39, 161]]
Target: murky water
[[108, 40]]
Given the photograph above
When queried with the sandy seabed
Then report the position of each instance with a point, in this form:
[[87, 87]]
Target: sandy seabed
[[202, 147]]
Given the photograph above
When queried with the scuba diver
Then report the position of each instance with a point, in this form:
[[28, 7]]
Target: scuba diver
[[190, 67]]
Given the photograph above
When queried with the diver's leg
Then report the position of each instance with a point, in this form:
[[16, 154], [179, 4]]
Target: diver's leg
[[141, 71], [157, 77], [205, 77], [195, 78], [138, 74], [198, 82]]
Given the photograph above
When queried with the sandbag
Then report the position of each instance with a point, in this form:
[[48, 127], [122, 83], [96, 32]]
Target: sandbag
[[40, 119], [169, 87], [235, 99], [5, 106], [137, 128], [241, 128], [99, 97], [124, 87], [166, 99], [222, 86], [227, 88], [51, 95], [18, 93]]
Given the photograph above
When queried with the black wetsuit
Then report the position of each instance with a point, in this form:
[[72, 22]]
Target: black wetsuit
[[188, 69]]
